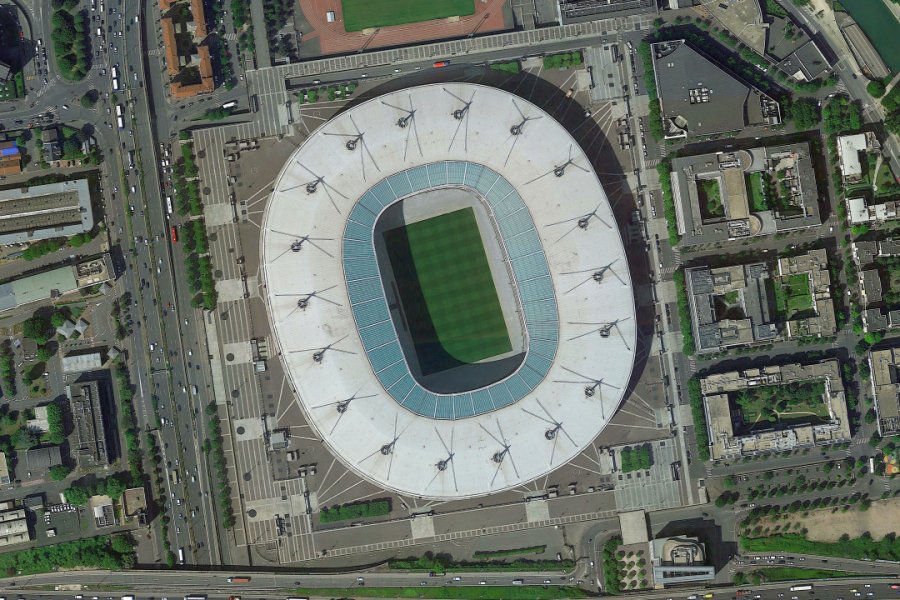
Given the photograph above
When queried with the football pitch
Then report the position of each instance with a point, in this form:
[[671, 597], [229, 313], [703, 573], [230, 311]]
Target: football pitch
[[448, 294], [364, 14]]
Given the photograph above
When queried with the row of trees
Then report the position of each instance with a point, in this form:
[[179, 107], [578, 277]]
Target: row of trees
[[215, 452], [186, 172], [201, 281], [42, 248], [613, 584], [684, 314], [654, 119], [112, 553], [113, 486], [891, 104], [7, 369], [128, 423]]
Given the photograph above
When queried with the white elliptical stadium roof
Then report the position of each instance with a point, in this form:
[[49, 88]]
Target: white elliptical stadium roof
[[579, 360]]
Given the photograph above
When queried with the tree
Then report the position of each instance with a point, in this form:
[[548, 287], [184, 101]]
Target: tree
[[805, 112], [37, 328], [875, 88], [58, 319], [77, 495], [59, 472]]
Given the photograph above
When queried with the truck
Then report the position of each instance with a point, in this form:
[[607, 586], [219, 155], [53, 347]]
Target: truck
[[181, 562], [176, 479], [238, 579], [228, 105]]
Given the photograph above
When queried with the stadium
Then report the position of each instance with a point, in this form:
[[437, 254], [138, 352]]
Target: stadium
[[448, 291]]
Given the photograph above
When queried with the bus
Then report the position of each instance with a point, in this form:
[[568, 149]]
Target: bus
[[196, 597], [174, 233], [801, 588], [120, 122], [181, 562], [231, 104], [169, 204]]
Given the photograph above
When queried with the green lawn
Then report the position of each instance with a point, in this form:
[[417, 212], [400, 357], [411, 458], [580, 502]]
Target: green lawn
[[792, 296], [447, 292], [755, 191], [364, 14], [797, 573]]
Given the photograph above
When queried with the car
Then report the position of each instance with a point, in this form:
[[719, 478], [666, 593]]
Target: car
[[360, 579], [423, 583], [868, 585], [546, 581], [457, 578]]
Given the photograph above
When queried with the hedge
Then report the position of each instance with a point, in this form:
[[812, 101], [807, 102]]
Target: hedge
[[356, 510], [565, 60], [699, 414]]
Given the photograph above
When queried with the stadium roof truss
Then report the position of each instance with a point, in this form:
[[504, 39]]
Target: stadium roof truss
[[328, 309]]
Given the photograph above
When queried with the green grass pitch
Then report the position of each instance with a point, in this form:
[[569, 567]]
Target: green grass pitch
[[364, 14], [448, 294]]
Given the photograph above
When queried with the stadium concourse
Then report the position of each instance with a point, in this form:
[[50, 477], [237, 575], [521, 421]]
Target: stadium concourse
[[339, 322]]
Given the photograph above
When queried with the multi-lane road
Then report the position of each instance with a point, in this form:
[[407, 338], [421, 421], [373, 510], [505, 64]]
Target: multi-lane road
[[147, 585]]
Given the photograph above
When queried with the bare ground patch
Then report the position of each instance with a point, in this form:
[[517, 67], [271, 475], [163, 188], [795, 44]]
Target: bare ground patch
[[829, 524]]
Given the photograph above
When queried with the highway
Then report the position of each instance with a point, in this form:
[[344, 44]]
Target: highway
[[170, 325], [154, 584]]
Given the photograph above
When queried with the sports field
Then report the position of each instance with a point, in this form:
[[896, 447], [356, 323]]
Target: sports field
[[364, 14], [447, 292]]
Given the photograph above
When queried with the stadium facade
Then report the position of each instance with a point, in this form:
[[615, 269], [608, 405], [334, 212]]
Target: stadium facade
[[508, 407]]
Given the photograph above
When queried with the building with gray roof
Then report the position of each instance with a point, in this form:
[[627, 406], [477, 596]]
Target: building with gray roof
[[37, 461], [45, 211], [85, 402], [51, 284], [580, 11], [699, 98], [732, 195], [680, 560], [884, 366]]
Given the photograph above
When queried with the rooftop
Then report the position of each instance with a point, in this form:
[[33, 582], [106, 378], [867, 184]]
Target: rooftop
[[754, 303], [885, 369], [758, 191], [698, 97], [45, 211], [47, 285], [727, 443]]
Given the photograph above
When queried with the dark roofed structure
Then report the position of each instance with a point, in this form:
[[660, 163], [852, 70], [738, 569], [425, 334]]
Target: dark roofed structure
[[39, 460], [697, 97], [90, 435]]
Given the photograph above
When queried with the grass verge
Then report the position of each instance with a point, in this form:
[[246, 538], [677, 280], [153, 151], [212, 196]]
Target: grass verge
[[506, 592], [797, 573]]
